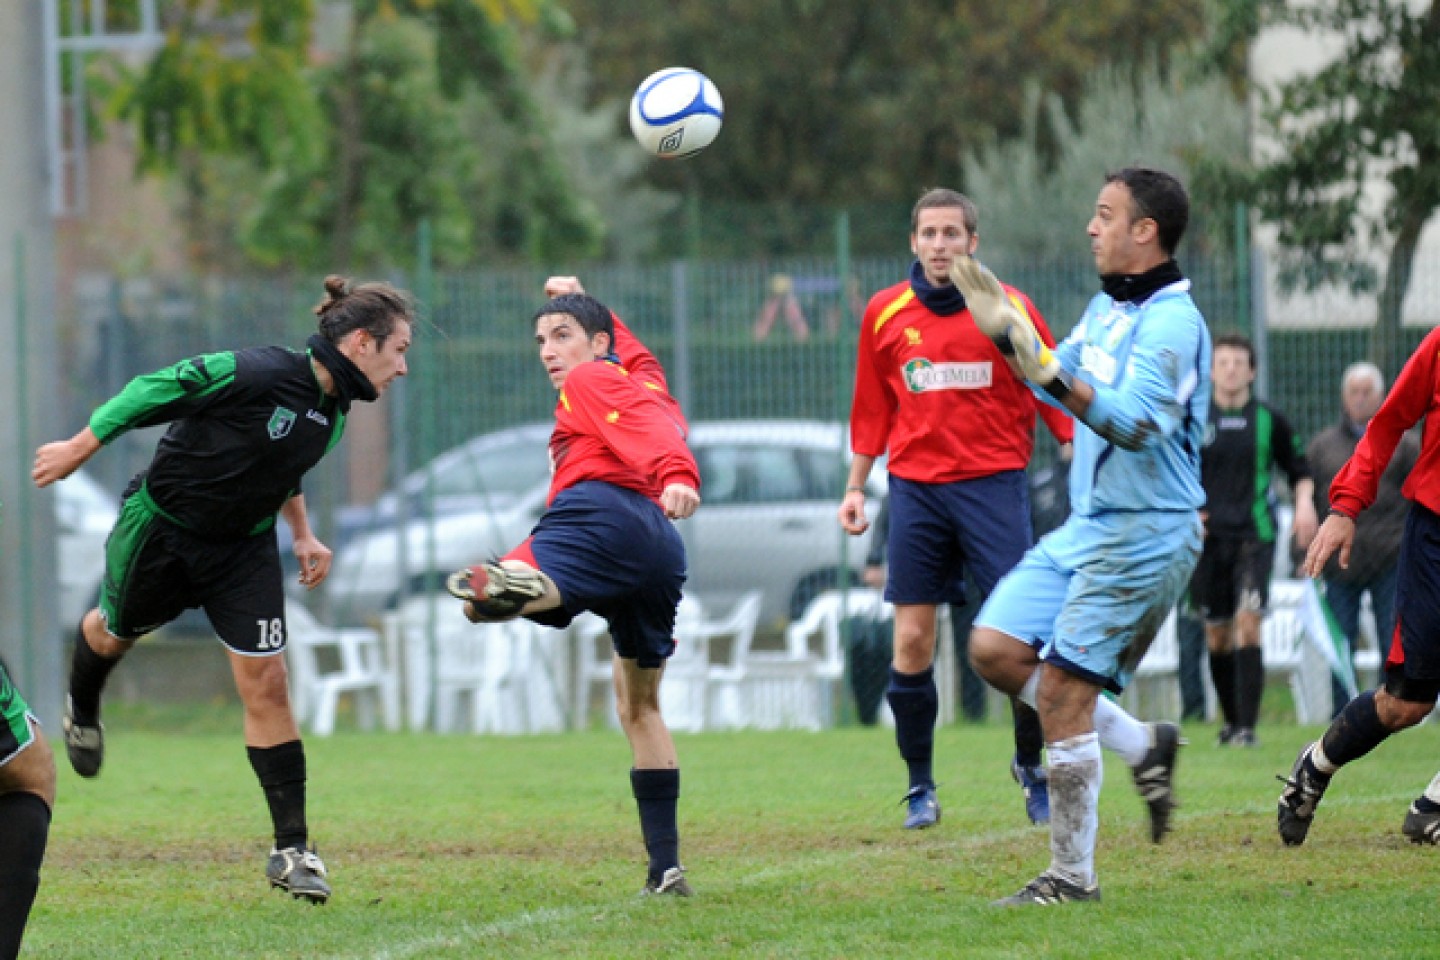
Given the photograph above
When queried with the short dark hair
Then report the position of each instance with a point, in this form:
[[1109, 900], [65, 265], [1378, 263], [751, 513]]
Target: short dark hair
[[942, 197], [1161, 197], [373, 306], [1236, 341], [592, 315]]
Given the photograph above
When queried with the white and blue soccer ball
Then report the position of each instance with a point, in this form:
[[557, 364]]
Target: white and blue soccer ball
[[676, 112]]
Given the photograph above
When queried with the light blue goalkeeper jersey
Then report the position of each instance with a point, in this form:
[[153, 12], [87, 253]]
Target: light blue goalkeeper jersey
[[1149, 365]]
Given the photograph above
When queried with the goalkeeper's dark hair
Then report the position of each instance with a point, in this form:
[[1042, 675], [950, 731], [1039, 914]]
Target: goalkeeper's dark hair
[[373, 306], [1161, 197], [943, 197], [592, 315]]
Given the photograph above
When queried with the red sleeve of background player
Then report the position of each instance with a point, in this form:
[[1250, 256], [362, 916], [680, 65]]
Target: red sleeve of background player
[[872, 411], [1061, 424], [1354, 487], [637, 427]]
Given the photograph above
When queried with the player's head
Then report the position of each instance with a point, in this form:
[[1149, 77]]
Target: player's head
[[571, 329], [1362, 389], [1140, 216], [373, 306], [1232, 365], [943, 224], [371, 323]]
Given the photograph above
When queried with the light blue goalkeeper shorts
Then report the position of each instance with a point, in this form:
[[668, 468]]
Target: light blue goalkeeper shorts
[[1092, 595]]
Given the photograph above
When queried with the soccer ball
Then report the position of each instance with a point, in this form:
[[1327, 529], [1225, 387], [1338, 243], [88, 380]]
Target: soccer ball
[[676, 112]]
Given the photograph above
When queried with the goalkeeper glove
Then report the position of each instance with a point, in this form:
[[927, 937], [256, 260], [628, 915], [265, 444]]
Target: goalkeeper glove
[[1008, 326]]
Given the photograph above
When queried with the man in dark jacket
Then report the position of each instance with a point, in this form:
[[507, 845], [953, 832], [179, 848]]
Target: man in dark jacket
[[1378, 529]]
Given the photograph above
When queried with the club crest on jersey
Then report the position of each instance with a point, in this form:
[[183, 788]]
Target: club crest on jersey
[[912, 337], [281, 421], [922, 376]]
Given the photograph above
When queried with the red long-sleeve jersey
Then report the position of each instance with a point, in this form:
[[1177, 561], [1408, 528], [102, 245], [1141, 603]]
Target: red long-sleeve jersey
[[620, 425], [938, 394], [1416, 395]]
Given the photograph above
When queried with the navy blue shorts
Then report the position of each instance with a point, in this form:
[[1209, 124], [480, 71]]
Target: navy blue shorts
[[941, 533], [612, 551], [1415, 646]]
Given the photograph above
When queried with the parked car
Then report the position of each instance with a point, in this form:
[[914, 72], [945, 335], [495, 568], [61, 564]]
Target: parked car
[[84, 513], [770, 490]]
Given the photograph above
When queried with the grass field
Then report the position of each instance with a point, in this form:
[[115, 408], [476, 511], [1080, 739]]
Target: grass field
[[457, 847]]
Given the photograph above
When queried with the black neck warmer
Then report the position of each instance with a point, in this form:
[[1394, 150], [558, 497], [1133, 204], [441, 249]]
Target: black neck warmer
[[942, 301], [350, 383], [1139, 287]]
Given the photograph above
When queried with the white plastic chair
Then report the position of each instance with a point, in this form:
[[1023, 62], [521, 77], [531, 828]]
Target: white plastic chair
[[359, 670], [1285, 650]]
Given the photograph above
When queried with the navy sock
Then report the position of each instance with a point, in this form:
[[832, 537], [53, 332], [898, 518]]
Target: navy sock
[[1222, 674], [1029, 740], [1249, 686], [281, 770], [657, 794], [915, 703], [1355, 732], [24, 830], [88, 673]]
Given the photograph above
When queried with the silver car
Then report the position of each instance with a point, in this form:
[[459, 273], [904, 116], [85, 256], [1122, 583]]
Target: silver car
[[770, 490]]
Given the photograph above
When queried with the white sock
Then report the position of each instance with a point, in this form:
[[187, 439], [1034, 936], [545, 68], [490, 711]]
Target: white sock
[[1121, 732], [1076, 773], [1432, 792], [1118, 731]]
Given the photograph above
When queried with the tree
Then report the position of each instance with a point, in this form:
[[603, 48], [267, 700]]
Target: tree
[[348, 145], [1037, 200], [1368, 116]]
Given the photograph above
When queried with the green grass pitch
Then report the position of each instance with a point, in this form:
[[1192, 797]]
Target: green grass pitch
[[455, 847]]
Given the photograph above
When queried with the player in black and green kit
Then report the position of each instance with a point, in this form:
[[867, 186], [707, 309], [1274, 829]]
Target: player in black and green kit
[[27, 794], [1245, 440], [197, 528]]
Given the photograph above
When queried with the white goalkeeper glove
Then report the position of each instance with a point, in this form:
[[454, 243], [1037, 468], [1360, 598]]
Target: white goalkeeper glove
[[1008, 325]]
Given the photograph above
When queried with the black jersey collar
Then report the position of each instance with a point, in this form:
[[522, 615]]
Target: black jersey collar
[[350, 383]]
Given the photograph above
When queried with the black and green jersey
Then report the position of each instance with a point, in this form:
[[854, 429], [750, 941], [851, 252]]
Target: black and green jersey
[[245, 426], [1241, 448]]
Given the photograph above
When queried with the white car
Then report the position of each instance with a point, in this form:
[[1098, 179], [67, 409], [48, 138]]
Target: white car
[[770, 491], [84, 514]]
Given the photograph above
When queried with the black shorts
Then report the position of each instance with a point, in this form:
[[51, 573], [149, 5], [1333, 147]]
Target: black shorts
[[1233, 575], [1414, 650], [17, 723], [155, 570]]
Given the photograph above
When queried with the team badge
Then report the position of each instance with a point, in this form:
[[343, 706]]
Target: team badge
[[281, 421], [912, 337]]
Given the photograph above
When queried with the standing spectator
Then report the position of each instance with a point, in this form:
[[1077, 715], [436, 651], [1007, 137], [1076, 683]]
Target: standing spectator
[[605, 543], [197, 528], [1077, 614], [959, 426], [27, 795], [1379, 529], [1412, 660], [1243, 439]]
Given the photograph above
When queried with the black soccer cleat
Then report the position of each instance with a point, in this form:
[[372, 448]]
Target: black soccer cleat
[[84, 745], [299, 872], [1303, 790], [1421, 827], [1048, 890], [672, 883], [494, 591], [1155, 777]]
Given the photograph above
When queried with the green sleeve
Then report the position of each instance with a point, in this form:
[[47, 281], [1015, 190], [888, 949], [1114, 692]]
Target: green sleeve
[[165, 395]]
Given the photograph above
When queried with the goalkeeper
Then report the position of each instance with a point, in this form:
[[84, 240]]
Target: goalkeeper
[[1076, 615], [622, 471]]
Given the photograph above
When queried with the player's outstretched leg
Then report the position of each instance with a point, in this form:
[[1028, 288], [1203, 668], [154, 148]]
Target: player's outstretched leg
[[1027, 767], [1155, 777], [496, 591], [84, 736]]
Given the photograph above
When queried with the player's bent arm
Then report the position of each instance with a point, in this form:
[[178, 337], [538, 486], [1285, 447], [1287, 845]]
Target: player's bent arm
[[57, 460]]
